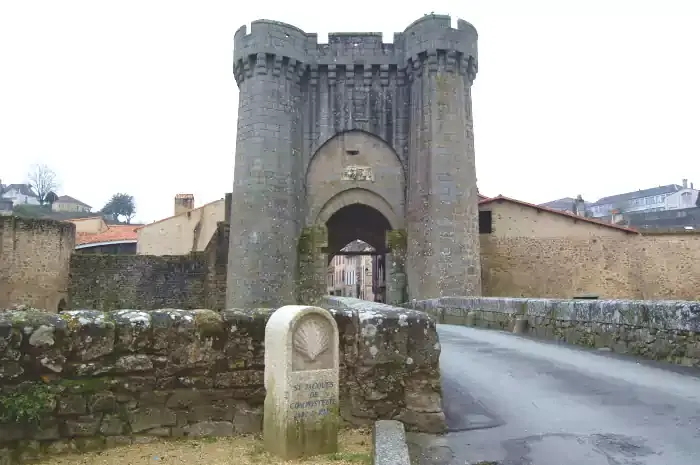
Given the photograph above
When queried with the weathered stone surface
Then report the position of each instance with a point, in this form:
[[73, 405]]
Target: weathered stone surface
[[389, 444], [72, 404], [302, 380], [210, 428], [83, 426], [129, 374], [397, 364], [112, 425], [248, 421], [659, 330], [133, 363], [147, 418], [102, 402]]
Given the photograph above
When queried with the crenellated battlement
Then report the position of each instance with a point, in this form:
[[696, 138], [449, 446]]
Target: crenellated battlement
[[397, 111], [285, 50]]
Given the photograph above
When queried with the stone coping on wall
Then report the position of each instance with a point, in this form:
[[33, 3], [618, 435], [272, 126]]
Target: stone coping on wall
[[667, 331], [676, 315]]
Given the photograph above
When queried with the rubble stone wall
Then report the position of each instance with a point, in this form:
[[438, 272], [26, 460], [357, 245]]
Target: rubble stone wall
[[111, 282], [80, 380], [34, 257], [660, 330]]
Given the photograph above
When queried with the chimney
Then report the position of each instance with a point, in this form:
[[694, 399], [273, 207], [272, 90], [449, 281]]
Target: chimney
[[183, 203], [579, 206], [685, 184]]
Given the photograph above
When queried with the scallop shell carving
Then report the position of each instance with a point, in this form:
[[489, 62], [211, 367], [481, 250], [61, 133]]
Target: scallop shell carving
[[311, 340]]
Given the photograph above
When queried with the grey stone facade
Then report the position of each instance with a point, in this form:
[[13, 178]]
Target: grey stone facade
[[295, 96]]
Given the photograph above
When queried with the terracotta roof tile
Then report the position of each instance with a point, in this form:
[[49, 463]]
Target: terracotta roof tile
[[558, 212], [114, 233]]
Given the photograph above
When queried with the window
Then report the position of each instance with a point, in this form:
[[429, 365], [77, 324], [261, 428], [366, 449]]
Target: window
[[485, 222], [343, 275]]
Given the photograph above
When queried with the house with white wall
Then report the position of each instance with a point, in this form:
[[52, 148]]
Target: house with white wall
[[19, 194], [662, 198]]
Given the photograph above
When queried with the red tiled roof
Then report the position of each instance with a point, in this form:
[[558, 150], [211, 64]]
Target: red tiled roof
[[114, 233], [557, 212]]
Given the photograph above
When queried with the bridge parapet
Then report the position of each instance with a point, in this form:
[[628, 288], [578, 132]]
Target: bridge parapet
[[667, 330], [401, 350]]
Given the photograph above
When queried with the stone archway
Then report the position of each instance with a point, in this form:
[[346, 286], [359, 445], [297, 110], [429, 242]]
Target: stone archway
[[394, 120], [355, 190], [356, 222], [319, 243]]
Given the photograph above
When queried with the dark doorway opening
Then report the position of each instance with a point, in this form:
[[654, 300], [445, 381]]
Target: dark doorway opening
[[357, 253]]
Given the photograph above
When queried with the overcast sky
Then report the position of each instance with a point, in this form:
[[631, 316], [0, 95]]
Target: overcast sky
[[591, 97]]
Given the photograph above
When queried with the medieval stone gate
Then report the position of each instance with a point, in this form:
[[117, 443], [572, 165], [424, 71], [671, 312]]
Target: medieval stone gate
[[354, 139]]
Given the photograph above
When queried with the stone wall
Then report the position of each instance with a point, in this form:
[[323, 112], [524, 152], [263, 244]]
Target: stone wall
[[34, 257], [658, 330], [216, 257], [144, 282], [639, 267], [86, 379]]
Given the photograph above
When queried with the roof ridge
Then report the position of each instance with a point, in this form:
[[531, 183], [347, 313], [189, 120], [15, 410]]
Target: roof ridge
[[559, 212]]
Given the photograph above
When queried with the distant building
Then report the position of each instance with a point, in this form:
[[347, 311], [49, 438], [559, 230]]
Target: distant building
[[93, 235], [19, 194], [351, 275], [570, 205], [66, 203], [681, 219], [5, 206], [662, 198], [188, 230], [503, 217]]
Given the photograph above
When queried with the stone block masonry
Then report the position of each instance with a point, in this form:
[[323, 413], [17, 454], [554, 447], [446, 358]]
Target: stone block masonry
[[145, 282], [34, 257], [412, 97], [85, 379], [659, 330]]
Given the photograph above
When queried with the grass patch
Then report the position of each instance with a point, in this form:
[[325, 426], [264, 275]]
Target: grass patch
[[355, 449]]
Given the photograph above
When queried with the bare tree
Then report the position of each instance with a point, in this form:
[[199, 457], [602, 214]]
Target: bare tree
[[43, 180]]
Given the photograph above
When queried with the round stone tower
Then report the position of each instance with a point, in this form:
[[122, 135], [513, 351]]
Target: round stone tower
[[268, 66], [443, 257], [411, 97]]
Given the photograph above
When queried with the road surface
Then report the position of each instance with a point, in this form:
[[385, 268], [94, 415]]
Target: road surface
[[519, 401]]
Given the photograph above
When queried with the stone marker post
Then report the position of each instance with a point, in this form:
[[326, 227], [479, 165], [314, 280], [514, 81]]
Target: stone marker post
[[301, 381]]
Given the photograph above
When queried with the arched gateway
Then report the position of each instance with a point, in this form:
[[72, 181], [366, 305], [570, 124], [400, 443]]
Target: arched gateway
[[354, 139]]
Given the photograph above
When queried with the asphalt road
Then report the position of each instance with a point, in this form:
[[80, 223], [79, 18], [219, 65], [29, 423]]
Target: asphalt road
[[519, 401]]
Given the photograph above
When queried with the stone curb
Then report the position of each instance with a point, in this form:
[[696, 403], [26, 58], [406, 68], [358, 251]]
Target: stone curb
[[389, 443]]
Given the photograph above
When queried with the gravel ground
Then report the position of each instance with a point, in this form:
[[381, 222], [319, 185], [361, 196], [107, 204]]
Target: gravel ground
[[355, 448]]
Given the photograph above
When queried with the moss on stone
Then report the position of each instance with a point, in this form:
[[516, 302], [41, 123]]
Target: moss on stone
[[71, 321], [397, 239], [85, 385], [310, 283], [523, 308], [208, 322], [27, 404]]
